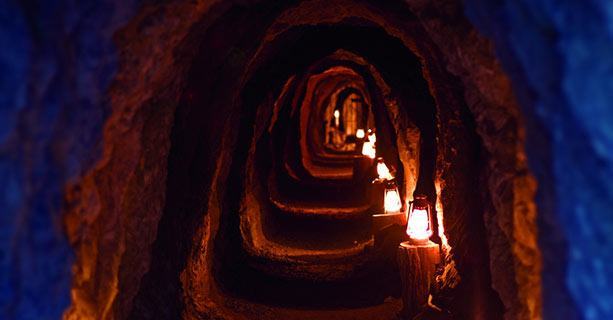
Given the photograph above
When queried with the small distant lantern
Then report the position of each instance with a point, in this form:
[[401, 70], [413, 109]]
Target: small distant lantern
[[369, 150], [419, 226], [337, 115], [383, 171], [392, 202], [359, 134]]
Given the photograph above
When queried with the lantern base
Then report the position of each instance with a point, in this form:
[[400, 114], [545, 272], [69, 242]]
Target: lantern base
[[419, 242], [417, 264]]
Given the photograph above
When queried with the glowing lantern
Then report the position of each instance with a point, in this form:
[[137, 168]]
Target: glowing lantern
[[419, 226], [383, 171], [369, 150], [337, 115], [391, 200], [359, 134]]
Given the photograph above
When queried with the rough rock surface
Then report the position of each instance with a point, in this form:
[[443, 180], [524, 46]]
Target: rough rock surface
[[100, 103], [58, 60], [113, 211], [560, 59], [510, 214]]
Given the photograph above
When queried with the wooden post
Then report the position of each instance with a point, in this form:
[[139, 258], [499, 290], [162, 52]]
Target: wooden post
[[417, 264], [362, 167]]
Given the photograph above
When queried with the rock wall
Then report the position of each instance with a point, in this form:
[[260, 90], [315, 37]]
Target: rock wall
[[509, 212], [560, 58], [58, 60], [95, 97]]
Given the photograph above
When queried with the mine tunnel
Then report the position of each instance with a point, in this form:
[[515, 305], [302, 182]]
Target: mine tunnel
[[306, 160]]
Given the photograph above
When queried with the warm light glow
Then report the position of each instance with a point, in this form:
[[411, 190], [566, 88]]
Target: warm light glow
[[369, 150], [383, 171], [392, 200], [418, 227], [439, 217], [337, 114], [359, 133]]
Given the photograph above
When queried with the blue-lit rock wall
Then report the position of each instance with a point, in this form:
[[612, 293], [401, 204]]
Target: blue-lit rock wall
[[56, 63], [559, 55]]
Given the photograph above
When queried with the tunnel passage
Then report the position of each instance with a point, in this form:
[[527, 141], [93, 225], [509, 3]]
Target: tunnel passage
[[330, 215], [286, 228], [260, 211], [315, 225]]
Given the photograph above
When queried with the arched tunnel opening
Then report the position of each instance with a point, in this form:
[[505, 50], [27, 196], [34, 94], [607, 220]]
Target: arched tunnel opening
[[295, 216], [304, 159]]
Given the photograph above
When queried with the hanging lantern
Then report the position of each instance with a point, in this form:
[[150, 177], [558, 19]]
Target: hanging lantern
[[383, 171], [392, 202], [419, 226], [359, 134]]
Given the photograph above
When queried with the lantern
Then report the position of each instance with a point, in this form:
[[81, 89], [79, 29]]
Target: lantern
[[391, 202], [337, 115], [419, 226], [359, 134], [383, 171], [368, 150]]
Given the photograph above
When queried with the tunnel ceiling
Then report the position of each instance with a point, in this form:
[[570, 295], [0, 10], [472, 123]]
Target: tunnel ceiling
[[196, 206]]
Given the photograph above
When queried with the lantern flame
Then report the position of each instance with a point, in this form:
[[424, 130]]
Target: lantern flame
[[418, 227], [392, 201], [359, 134]]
